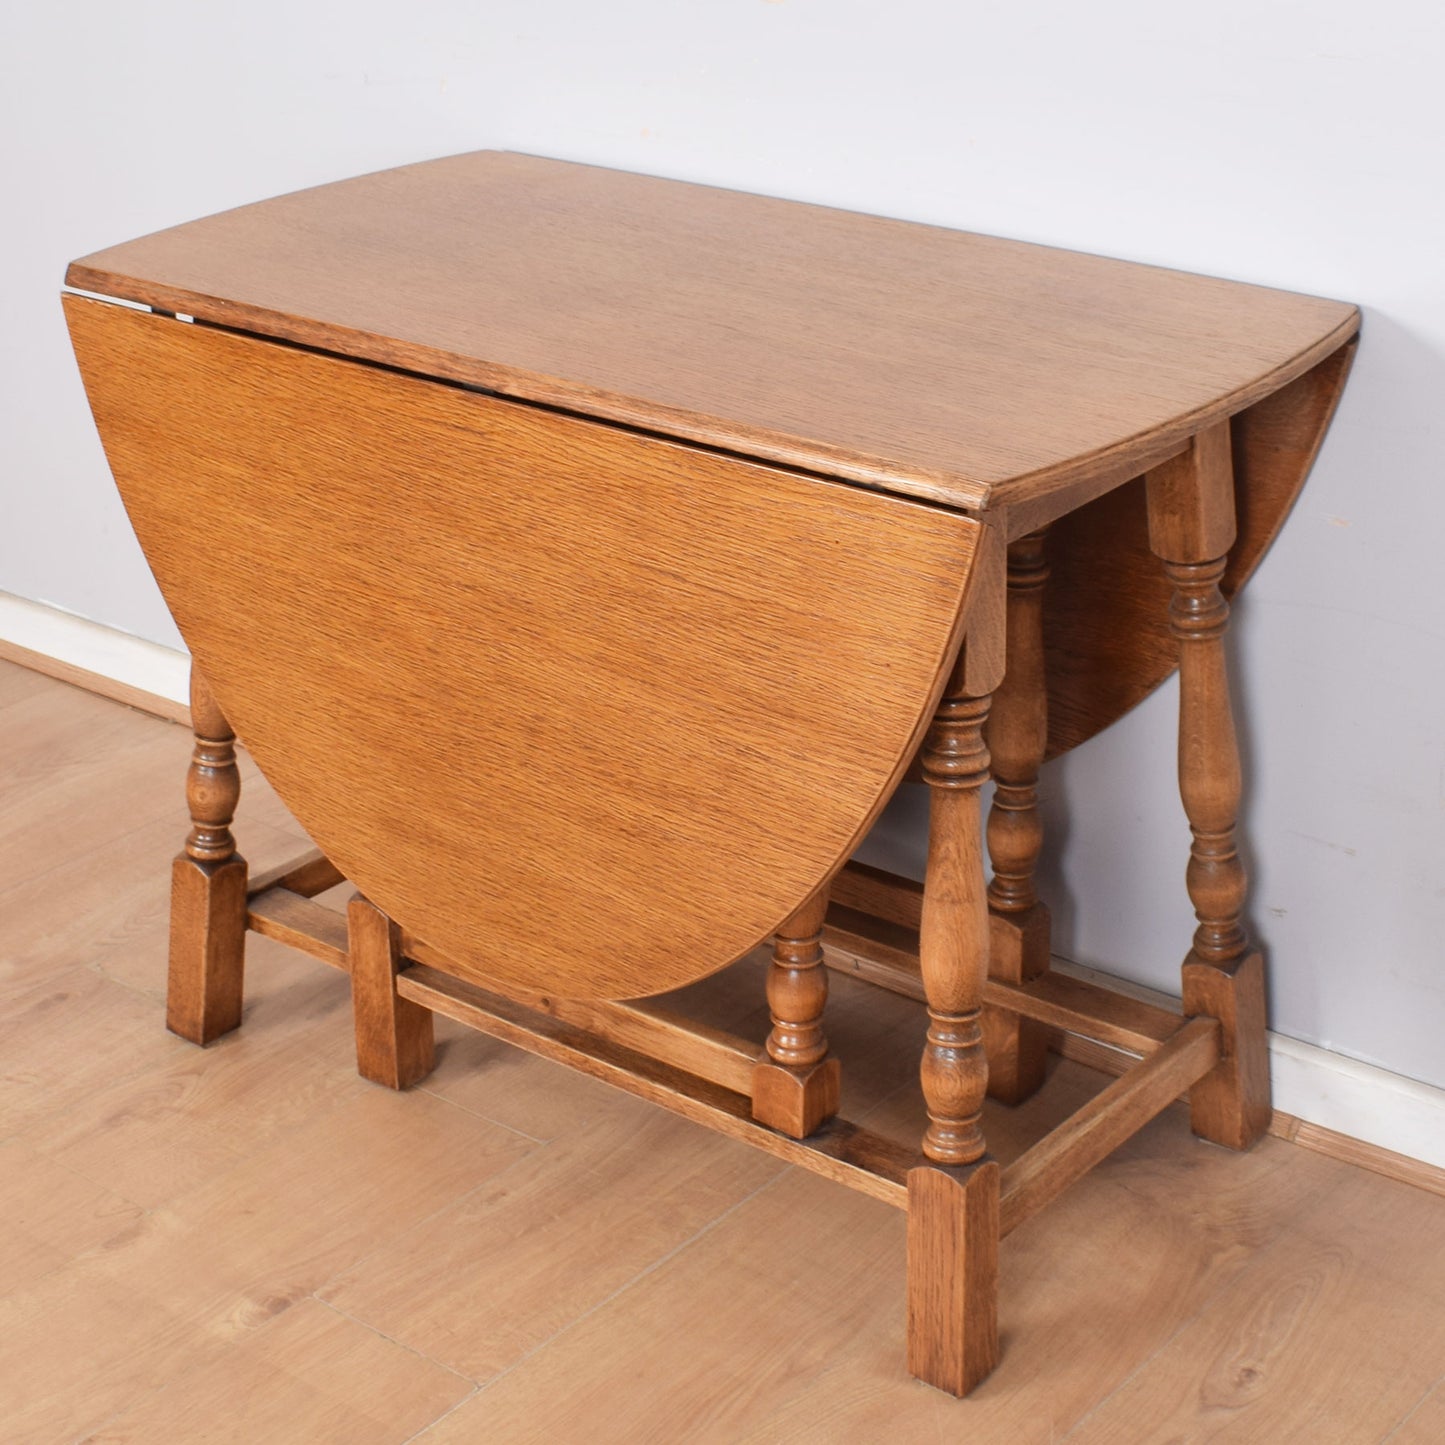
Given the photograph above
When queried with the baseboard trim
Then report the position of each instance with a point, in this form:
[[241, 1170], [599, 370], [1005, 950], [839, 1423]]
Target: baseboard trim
[[1324, 1101], [1355, 1151], [100, 659]]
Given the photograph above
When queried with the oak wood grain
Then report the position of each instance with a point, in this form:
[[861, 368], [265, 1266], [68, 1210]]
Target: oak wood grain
[[208, 885], [954, 926], [1191, 521], [1018, 735], [1191, 500], [661, 647], [394, 1037], [308, 873], [953, 1234], [886, 953], [645, 1026], [796, 1084], [950, 365], [294, 919]]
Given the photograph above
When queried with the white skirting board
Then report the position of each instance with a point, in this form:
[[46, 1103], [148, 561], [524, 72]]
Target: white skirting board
[[1335, 1092], [1359, 1100], [1328, 1089], [78, 643]]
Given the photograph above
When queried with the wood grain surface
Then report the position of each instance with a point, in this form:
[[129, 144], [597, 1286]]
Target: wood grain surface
[[977, 371], [589, 711]]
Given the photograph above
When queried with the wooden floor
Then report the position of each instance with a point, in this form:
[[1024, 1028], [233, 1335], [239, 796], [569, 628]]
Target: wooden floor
[[250, 1244]]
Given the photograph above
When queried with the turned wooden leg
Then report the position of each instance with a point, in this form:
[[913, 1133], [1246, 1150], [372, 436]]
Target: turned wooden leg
[[953, 1192], [393, 1035], [208, 886], [796, 1083], [1018, 735], [1191, 528]]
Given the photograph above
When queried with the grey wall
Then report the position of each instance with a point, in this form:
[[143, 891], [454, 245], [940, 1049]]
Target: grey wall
[[1282, 143]]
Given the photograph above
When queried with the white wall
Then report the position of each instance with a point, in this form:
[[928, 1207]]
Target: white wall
[[1294, 144]]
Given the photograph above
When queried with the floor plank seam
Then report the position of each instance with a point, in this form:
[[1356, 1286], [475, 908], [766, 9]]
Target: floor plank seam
[[70, 860], [156, 996], [89, 1434], [361, 1260], [477, 1114], [864, 1119], [431, 1424], [146, 1210], [637, 1279], [1413, 1410], [390, 1339]]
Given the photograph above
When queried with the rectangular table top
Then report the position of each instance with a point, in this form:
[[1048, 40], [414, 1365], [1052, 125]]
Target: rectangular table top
[[974, 371]]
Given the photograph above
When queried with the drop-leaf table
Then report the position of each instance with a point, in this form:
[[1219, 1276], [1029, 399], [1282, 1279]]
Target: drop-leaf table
[[586, 558]]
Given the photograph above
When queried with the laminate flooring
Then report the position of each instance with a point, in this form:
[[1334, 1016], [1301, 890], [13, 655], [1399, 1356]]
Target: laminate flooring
[[249, 1243]]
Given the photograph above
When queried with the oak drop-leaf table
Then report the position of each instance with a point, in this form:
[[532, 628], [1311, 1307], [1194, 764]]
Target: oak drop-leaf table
[[586, 558]]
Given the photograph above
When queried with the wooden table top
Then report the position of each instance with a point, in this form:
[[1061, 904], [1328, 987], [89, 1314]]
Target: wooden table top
[[978, 372], [587, 708]]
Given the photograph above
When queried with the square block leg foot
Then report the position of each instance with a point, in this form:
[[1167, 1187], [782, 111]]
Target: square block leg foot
[[795, 1102], [208, 948], [394, 1036], [1017, 1047], [953, 1223], [1231, 1104]]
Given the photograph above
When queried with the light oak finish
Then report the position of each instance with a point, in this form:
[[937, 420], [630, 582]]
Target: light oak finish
[[1191, 500], [635, 643], [294, 919], [611, 544], [953, 1234], [1231, 1105], [208, 886], [953, 1190], [1279, 1294], [639, 300], [953, 939], [796, 1085], [1018, 735], [568, 273], [307, 874], [1191, 528], [643, 1026], [887, 953], [394, 1044], [878, 893]]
